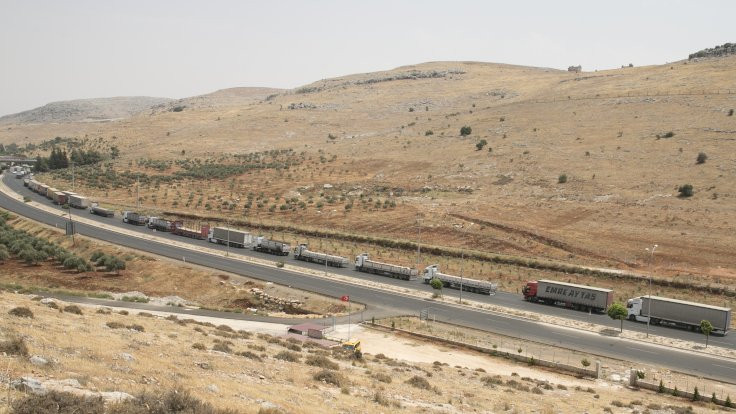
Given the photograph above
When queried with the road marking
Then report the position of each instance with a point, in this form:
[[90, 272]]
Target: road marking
[[724, 366], [642, 350]]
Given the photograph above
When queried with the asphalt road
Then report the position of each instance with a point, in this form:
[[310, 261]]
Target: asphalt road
[[380, 303]]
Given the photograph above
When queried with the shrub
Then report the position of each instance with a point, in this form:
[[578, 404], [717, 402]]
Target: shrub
[[584, 362], [73, 309], [428, 133], [14, 345], [115, 325], [480, 144], [330, 377], [701, 158], [21, 312], [250, 355], [287, 356], [419, 382], [199, 346], [380, 376], [466, 130], [54, 402], [730, 112], [173, 401], [136, 327], [96, 256], [225, 328], [222, 347], [26, 199], [562, 179], [685, 190], [322, 362]]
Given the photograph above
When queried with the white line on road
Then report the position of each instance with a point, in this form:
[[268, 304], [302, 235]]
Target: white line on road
[[642, 350]]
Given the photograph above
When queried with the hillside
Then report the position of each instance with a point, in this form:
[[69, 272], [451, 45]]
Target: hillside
[[85, 110], [381, 154]]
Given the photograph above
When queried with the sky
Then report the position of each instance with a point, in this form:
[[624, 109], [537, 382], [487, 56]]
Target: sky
[[54, 50]]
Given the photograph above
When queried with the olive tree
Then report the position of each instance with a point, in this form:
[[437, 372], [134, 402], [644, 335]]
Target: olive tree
[[706, 327], [436, 285]]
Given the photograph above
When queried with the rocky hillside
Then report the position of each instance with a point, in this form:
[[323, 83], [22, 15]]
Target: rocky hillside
[[241, 96], [720, 50], [85, 110]]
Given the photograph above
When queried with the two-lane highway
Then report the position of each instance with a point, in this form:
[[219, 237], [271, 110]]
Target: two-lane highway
[[382, 303]]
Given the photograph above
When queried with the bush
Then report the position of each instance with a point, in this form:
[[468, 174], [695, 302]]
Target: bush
[[198, 346], [419, 382], [250, 355], [173, 401], [14, 346], [701, 158], [584, 362], [287, 356], [222, 347], [73, 309], [685, 190], [480, 144], [428, 133], [136, 327], [55, 402], [562, 179], [330, 377], [380, 376], [322, 362], [730, 112], [21, 312], [465, 131], [115, 325]]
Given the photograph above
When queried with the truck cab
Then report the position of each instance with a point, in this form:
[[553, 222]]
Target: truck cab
[[352, 345], [360, 259], [530, 290], [634, 307]]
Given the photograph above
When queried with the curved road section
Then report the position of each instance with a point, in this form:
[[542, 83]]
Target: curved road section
[[381, 303]]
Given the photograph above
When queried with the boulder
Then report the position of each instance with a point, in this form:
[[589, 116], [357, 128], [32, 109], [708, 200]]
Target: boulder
[[38, 360]]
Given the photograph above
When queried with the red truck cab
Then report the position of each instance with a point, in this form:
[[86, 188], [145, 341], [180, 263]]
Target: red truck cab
[[530, 290]]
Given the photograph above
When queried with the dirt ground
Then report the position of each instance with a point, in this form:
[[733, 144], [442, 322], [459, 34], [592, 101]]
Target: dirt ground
[[159, 353]]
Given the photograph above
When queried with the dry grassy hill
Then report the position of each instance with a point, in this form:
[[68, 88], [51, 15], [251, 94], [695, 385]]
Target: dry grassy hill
[[388, 144], [85, 110]]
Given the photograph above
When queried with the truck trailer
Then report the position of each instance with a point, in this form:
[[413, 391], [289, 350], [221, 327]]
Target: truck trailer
[[363, 264], [192, 233], [50, 192], [262, 244], [301, 252], [680, 313], [456, 282], [233, 237], [569, 295], [101, 211], [136, 219], [78, 201], [160, 224], [60, 198]]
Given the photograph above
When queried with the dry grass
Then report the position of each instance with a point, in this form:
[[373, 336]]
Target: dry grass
[[164, 360]]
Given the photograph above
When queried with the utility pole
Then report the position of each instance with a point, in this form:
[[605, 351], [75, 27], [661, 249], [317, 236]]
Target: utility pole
[[227, 248], [462, 264], [649, 304], [71, 221], [419, 241], [72, 186]]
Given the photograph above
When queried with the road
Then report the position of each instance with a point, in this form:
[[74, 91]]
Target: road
[[382, 303]]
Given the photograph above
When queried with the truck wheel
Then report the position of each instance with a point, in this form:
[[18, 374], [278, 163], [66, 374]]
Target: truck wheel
[[632, 318]]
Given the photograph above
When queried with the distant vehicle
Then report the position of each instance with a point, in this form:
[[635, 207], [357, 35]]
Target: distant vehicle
[[569, 295], [193, 233], [134, 218], [352, 345], [455, 282], [234, 237], [363, 264], [262, 244], [680, 313], [301, 252], [101, 211], [160, 224], [78, 201]]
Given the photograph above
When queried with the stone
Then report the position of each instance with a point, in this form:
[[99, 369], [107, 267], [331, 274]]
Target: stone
[[115, 396], [127, 357], [38, 360], [213, 389], [29, 384]]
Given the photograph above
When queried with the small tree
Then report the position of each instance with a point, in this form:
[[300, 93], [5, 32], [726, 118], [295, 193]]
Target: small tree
[[436, 285], [701, 158], [585, 363], [706, 328], [696, 394], [685, 190], [618, 311], [562, 179], [660, 389], [466, 130], [480, 144]]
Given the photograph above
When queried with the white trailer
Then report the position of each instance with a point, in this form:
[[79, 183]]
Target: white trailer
[[679, 313], [456, 282], [136, 219], [233, 237], [301, 252], [363, 264], [265, 245]]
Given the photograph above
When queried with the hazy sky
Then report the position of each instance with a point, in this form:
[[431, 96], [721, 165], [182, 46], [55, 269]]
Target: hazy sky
[[57, 50]]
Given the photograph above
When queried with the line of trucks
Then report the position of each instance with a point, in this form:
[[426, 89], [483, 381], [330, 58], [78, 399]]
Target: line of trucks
[[654, 310], [648, 309]]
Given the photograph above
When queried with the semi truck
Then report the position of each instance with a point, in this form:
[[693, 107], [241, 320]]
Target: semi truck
[[60, 198], [160, 224], [50, 192], [679, 313], [192, 233], [233, 237], [364, 264], [262, 244], [134, 218], [302, 252], [569, 295], [101, 211], [78, 201], [456, 282]]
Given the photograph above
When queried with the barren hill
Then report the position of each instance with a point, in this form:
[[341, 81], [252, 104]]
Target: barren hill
[[580, 167], [85, 110], [240, 96]]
